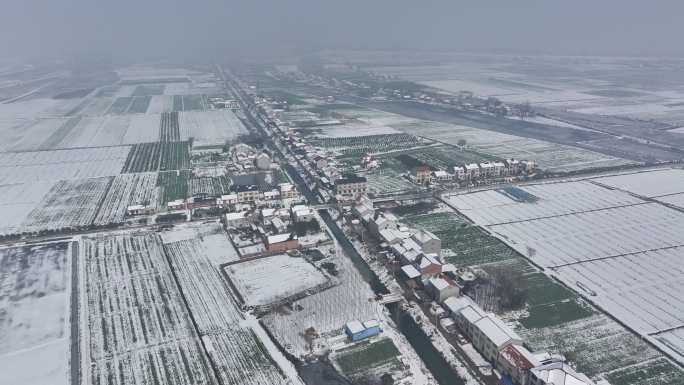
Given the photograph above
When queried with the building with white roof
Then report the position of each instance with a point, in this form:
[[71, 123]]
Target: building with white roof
[[442, 176], [429, 242], [557, 373], [490, 335], [443, 288], [515, 362], [237, 219], [472, 171]]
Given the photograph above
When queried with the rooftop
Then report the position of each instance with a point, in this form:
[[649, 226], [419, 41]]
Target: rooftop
[[560, 373], [497, 332]]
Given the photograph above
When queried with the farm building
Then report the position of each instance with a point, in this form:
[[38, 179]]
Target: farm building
[[422, 174], [282, 242], [358, 331], [178, 204], [442, 176], [139, 210]]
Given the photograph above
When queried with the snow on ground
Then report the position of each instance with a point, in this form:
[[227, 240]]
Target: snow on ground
[[29, 135], [675, 200], [354, 130], [213, 127], [653, 183], [212, 238], [620, 252], [34, 326], [127, 190], [160, 103], [17, 201], [552, 199], [326, 311], [256, 283], [44, 166]]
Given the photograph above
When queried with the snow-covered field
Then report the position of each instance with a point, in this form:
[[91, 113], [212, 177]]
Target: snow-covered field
[[44, 166], [210, 127], [354, 130], [232, 342], [160, 103], [127, 190], [326, 311], [34, 328], [17, 201], [69, 204], [620, 252], [549, 156], [254, 279], [650, 184]]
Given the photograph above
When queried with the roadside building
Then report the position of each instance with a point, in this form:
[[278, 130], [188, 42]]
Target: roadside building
[[302, 213], [382, 221], [287, 191], [139, 210], [178, 204], [229, 199], [443, 288], [351, 185], [557, 373], [237, 219], [422, 174], [282, 242], [472, 171], [459, 172], [429, 242], [429, 266], [499, 169], [392, 236], [442, 176], [490, 335], [514, 364], [247, 193], [486, 170]]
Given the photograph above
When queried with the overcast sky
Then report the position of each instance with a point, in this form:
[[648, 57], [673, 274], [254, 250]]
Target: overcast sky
[[171, 29]]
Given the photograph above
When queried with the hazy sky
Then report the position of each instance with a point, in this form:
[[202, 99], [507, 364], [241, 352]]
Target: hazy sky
[[149, 29]]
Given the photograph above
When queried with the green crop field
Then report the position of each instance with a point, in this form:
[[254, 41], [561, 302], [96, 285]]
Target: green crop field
[[174, 185], [365, 356]]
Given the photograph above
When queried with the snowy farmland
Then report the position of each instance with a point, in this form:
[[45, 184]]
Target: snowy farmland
[[34, 326], [326, 311], [68, 205], [232, 342], [56, 165], [254, 279], [650, 184], [127, 190], [210, 127], [621, 253]]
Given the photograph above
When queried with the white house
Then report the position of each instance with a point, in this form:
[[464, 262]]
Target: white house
[[557, 373], [428, 241], [442, 288], [237, 219]]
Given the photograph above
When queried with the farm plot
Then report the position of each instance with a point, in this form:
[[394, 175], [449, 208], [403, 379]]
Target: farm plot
[[68, 205], [550, 199], [149, 90], [127, 190], [651, 184], [213, 240], [169, 130], [139, 105], [34, 301], [143, 157], [174, 156], [159, 104], [120, 105], [210, 186], [30, 134], [361, 145], [241, 358], [389, 181], [190, 103], [364, 357], [326, 311], [173, 185], [467, 245], [445, 157], [138, 328], [142, 129], [253, 279], [210, 127], [55, 165], [17, 201]]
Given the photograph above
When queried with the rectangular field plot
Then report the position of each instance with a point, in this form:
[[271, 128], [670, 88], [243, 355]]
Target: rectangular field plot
[[649, 184], [234, 348], [17, 201], [674, 200], [254, 279], [127, 190], [562, 240], [68, 205], [327, 311], [34, 323], [160, 103], [550, 199], [138, 328], [210, 127], [43, 166]]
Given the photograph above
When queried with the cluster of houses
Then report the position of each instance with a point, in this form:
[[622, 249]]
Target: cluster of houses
[[424, 174], [269, 226], [418, 252], [505, 349]]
